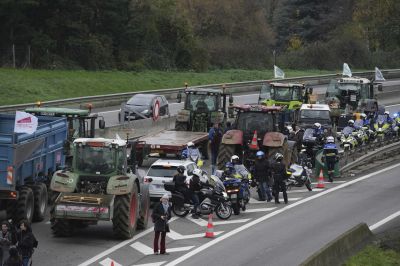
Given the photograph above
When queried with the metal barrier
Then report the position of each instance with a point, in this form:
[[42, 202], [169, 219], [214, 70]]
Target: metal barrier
[[116, 99]]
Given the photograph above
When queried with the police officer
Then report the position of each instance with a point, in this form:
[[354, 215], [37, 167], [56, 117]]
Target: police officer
[[195, 187], [330, 156], [262, 175], [280, 175], [180, 183]]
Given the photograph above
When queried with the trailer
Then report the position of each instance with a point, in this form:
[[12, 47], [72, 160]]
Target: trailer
[[27, 163], [169, 142]]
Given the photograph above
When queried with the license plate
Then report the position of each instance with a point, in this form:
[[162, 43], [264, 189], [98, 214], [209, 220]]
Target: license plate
[[233, 196], [82, 209], [158, 186]]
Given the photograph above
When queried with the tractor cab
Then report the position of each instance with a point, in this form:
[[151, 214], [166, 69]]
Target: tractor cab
[[202, 108], [291, 95]]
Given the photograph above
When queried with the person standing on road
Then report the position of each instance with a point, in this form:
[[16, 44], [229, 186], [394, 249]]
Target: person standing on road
[[26, 242], [262, 174], [161, 214], [280, 175], [5, 242], [215, 137], [330, 156], [14, 259]]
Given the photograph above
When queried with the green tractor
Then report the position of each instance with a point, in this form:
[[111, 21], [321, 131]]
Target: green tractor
[[101, 185], [203, 107], [291, 95], [81, 123]]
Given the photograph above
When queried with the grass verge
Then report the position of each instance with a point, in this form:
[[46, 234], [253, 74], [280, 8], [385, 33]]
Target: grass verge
[[373, 255], [26, 86]]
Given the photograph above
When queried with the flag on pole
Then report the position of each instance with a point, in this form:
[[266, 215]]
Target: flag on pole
[[278, 73], [378, 75], [25, 123], [346, 70]]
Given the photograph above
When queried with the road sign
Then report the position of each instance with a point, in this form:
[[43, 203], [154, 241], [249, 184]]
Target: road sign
[[156, 110]]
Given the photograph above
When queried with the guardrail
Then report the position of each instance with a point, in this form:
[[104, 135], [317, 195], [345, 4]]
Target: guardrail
[[116, 99]]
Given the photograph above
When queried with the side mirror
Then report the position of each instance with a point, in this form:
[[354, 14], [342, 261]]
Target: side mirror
[[230, 99], [102, 124], [380, 87], [179, 97]]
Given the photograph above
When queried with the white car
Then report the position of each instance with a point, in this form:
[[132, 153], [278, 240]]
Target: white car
[[162, 171]]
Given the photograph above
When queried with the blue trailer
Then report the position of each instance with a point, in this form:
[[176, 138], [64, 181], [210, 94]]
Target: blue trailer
[[27, 163]]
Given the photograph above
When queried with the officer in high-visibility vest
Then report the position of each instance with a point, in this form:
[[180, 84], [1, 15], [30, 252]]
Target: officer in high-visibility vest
[[330, 156]]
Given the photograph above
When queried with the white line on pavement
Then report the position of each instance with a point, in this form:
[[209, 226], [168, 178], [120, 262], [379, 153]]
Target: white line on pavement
[[201, 222], [120, 245], [260, 210], [305, 190], [151, 264], [108, 261], [272, 214], [254, 201], [176, 236], [334, 182], [146, 250], [383, 221]]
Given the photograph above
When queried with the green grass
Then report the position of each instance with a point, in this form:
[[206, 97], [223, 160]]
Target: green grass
[[374, 256], [27, 86]]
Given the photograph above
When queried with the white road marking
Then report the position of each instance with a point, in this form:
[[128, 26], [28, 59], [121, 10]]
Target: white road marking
[[272, 214], [151, 264], [305, 190], [176, 236], [120, 245], [146, 250], [201, 222], [260, 210], [383, 221], [254, 201], [334, 182], [108, 261]]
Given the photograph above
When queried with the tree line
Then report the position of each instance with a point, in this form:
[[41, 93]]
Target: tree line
[[201, 34]]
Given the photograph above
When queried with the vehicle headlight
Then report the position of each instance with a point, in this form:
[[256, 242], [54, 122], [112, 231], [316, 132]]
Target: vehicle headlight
[[144, 111]]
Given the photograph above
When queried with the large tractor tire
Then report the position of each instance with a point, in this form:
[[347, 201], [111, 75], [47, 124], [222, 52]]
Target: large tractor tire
[[144, 210], [224, 155], [24, 208], [40, 196], [126, 214], [62, 227], [179, 126]]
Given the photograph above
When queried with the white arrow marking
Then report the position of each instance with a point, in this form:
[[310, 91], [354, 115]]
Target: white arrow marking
[[259, 202], [202, 222], [260, 210], [148, 251], [108, 261], [151, 264], [176, 236]]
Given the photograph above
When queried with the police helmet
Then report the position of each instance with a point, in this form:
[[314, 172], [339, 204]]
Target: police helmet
[[235, 159], [278, 156], [190, 144], [260, 154], [362, 115], [317, 125], [387, 113], [197, 172], [351, 122], [330, 139], [181, 169]]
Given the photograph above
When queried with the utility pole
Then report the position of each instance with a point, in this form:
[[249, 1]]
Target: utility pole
[[274, 54], [13, 54]]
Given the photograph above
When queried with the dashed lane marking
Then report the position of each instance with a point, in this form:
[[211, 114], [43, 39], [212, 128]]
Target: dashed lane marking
[[146, 250], [176, 236]]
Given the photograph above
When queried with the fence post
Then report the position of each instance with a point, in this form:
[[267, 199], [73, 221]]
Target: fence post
[[13, 54]]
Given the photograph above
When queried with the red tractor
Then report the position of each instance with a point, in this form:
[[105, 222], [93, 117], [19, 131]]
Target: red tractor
[[255, 128]]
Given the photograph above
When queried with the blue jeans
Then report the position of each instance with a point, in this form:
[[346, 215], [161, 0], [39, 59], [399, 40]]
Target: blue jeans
[[265, 191], [196, 202], [26, 261]]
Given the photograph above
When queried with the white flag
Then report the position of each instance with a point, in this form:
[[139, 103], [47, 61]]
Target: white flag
[[278, 73], [346, 70], [378, 75], [25, 123]]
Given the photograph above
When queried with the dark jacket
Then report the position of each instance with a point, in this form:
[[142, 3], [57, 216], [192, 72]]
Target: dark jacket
[[179, 180], [195, 184], [215, 137], [161, 225], [279, 172], [13, 261], [262, 170], [25, 242]]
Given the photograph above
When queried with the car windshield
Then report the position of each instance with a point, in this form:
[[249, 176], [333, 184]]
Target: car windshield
[[201, 102], [96, 160], [337, 89], [280, 93], [162, 171], [140, 100], [315, 114], [260, 121]]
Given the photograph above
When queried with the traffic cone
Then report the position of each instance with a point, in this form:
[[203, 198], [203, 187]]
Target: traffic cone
[[254, 144], [321, 182], [210, 228], [112, 263]]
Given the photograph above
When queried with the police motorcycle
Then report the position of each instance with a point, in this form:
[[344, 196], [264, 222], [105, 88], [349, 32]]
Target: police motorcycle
[[311, 144], [236, 181], [193, 154], [382, 128], [396, 124], [360, 133], [299, 175], [212, 196], [346, 138]]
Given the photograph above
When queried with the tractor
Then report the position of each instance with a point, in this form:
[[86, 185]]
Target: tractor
[[203, 107], [255, 128], [347, 95]]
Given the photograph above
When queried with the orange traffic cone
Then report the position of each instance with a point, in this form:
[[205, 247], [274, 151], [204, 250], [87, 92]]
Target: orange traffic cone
[[210, 227], [112, 263], [321, 182], [254, 144]]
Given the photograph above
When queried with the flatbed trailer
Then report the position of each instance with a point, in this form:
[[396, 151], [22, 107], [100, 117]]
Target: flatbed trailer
[[169, 142]]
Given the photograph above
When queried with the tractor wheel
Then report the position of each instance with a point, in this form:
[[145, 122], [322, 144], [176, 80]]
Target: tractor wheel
[[25, 205], [126, 214], [144, 210], [179, 126], [224, 155], [40, 196], [62, 227]]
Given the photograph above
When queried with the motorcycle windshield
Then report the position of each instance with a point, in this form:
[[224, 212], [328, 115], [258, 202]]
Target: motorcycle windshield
[[381, 119], [242, 170], [358, 123], [216, 183], [347, 130], [309, 135], [194, 154]]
